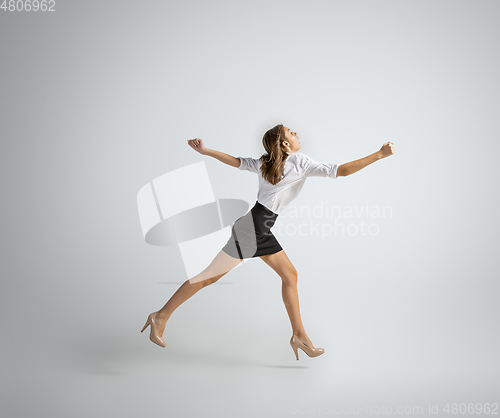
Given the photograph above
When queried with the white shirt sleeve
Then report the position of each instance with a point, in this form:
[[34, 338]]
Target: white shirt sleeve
[[249, 164], [316, 169]]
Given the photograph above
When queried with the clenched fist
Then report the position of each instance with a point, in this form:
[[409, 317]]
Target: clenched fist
[[387, 149], [197, 145]]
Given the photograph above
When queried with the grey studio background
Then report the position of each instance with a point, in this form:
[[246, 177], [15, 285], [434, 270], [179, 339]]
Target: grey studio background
[[99, 98]]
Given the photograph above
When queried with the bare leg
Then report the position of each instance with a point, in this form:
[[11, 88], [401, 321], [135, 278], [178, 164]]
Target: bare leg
[[221, 264], [280, 263]]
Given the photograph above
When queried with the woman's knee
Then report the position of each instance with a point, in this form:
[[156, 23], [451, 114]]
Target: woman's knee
[[290, 277]]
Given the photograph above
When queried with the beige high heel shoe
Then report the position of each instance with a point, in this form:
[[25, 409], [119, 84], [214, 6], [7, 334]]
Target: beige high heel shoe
[[153, 335], [311, 352]]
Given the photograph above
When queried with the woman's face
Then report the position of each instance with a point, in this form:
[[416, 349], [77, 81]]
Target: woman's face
[[292, 139]]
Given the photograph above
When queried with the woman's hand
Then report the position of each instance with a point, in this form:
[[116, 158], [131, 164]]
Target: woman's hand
[[197, 145], [386, 150]]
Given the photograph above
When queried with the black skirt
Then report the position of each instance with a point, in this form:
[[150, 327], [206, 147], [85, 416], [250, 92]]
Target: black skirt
[[251, 235]]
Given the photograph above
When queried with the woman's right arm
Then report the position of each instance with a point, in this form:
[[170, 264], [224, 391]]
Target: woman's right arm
[[197, 145]]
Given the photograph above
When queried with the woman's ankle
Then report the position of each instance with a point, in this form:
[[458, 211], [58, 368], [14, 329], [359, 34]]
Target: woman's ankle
[[301, 335], [161, 316]]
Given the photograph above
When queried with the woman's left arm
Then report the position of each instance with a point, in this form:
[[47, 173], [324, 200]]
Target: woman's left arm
[[354, 166]]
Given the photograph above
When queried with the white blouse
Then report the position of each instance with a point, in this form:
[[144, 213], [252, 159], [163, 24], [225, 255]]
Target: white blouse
[[298, 167]]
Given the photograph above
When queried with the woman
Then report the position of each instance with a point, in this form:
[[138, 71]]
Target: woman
[[282, 172]]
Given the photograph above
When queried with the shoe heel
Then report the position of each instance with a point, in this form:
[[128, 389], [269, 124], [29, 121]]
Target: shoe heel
[[145, 326], [294, 347]]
